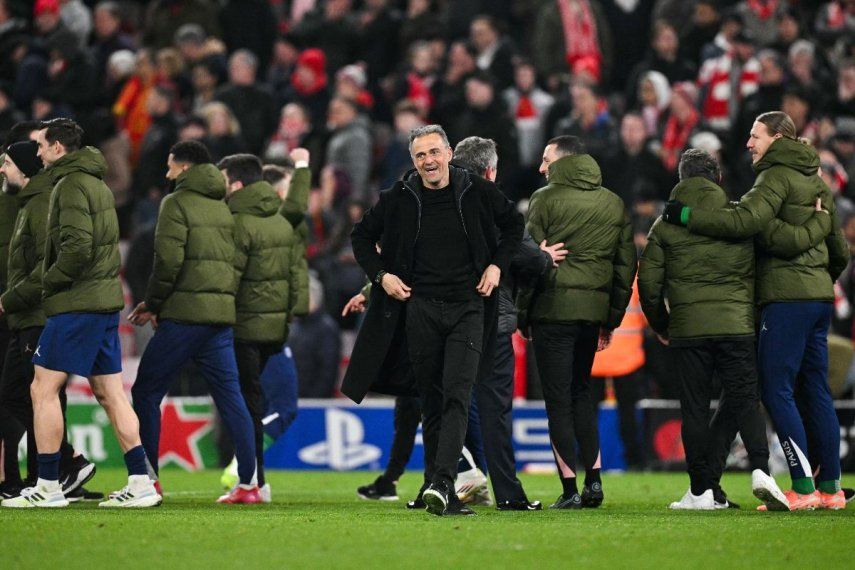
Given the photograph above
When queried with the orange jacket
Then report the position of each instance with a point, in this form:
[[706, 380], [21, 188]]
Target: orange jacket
[[625, 354]]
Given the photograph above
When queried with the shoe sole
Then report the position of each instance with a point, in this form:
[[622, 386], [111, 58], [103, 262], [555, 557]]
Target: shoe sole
[[53, 505], [141, 503], [434, 503], [768, 498], [83, 476]]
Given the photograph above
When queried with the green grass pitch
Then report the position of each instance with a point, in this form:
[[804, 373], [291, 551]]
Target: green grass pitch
[[317, 521]]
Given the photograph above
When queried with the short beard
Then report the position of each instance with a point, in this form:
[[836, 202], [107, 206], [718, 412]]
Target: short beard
[[9, 188]]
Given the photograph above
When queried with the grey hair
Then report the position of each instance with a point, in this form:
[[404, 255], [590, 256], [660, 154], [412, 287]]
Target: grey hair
[[476, 154], [699, 163], [428, 130], [802, 47], [249, 58]]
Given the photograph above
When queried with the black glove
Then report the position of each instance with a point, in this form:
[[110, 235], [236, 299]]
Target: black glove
[[673, 212]]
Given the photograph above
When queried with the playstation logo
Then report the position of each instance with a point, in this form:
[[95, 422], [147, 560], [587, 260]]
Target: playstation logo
[[344, 448]]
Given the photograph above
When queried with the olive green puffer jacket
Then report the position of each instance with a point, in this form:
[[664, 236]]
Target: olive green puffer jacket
[[267, 262], [22, 300], [8, 211], [81, 265], [294, 210], [193, 278], [786, 188], [594, 282]]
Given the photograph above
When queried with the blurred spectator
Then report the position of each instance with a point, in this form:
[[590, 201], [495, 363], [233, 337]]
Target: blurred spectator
[[721, 92], [350, 83], [171, 72], [682, 120], [704, 27], [416, 82], [165, 17], [252, 103], [395, 157], [631, 169], [378, 25], [590, 120], [798, 105], [13, 33], [630, 23], [664, 57], [282, 64], [331, 28], [251, 25], [494, 53], [295, 130], [807, 72], [205, 81], [9, 115], [47, 19], [71, 75], [116, 148], [844, 102], [421, 22], [731, 25], [789, 25], [78, 19], [843, 146], [193, 128], [654, 97], [224, 131], [529, 106], [448, 91], [130, 108], [836, 177], [349, 146], [316, 345], [570, 34], [835, 21], [309, 85], [486, 116], [760, 18], [158, 139], [108, 37]]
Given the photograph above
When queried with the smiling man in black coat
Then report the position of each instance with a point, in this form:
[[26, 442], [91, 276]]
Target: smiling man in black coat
[[445, 239]]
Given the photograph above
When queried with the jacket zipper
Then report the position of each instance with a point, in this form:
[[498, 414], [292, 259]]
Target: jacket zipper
[[460, 207], [419, 219]]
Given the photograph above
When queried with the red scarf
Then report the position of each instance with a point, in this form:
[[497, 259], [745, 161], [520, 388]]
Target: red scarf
[[763, 9], [418, 90], [675, 139], [580, 31], [525, 109]]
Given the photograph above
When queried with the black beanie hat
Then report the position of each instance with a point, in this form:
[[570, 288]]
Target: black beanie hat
[[23, 154]]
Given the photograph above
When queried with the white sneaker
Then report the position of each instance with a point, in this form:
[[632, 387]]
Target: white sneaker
[[469, 483], [690, 502], [38, 496], [139, 493], [265, 494], [766, 489]]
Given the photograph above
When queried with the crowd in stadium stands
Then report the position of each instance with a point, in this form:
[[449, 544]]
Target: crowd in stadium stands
[[638, 81]]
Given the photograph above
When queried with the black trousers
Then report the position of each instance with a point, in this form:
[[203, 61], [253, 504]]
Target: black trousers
[[445, 340], [408, 416], [734, 362], [494, 395], [251, 360], [565, 353], [628, 390]]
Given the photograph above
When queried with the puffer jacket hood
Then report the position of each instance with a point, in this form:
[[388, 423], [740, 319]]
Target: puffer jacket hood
[[259, 199], [580, 171], [87, 160], [790, 153], [203, 179], [699, 192]]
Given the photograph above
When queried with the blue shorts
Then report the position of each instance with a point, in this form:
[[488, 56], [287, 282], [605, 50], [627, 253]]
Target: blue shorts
[[86, 344]]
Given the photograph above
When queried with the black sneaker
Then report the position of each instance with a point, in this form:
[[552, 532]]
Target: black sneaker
[[80, 473], [456, 508], [10, 490], [574, 501], [418, 502], [721, 500], [519, 505], [592, 496], [436, 498], [81, 494], [848, 493], [382, 489]]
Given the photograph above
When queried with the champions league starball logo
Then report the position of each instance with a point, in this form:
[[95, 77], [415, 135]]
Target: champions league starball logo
[[344, 447]]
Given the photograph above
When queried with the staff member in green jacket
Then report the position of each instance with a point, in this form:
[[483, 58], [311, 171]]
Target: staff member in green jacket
[[710, 330], [267, 266], [795, 294], [190, 301], [577, 305], [82, 298]]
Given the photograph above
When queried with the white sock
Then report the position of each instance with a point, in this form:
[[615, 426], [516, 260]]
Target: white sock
[[49, 486], [246, 487]]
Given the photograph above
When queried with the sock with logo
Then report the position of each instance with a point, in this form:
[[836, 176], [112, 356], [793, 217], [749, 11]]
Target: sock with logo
[[803, 485], [49, 466], [569, 485], [136, 461], [829, 487]]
